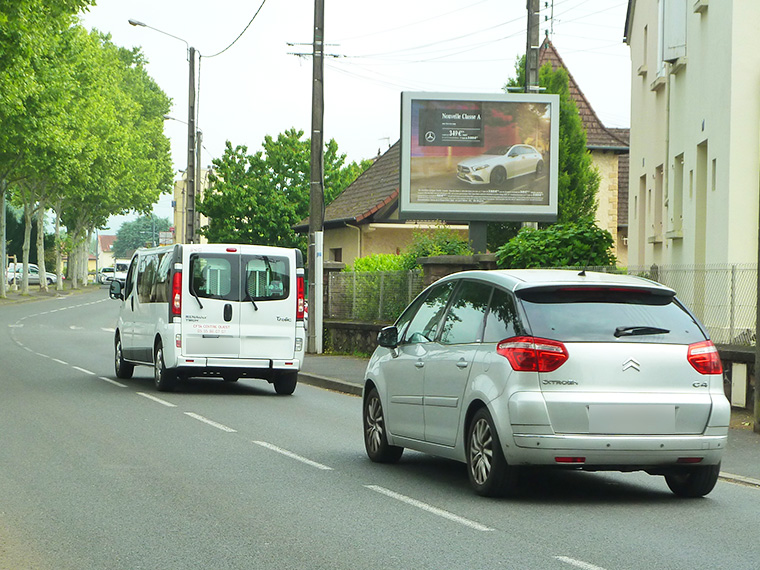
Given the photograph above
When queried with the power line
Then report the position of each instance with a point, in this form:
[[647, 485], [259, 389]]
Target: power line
[[241, 33]]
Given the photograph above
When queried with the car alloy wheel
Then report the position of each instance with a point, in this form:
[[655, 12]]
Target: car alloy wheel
[[375, 437], [487, 468]]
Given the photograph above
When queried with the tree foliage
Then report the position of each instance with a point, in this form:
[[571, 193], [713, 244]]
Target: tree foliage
[[258, 198], [142, 232], [561, 245]]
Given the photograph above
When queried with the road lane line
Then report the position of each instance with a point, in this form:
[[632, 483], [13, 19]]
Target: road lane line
[[85, 371], [159, 400], [59, 361], [292, 455], [429, 508], [578, 563], [114, 382], [210, 422]]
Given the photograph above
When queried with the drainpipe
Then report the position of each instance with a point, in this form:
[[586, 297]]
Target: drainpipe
[[358, 239]]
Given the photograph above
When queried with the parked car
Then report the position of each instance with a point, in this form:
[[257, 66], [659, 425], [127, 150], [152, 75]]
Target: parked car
[[501, 163], [590, 371], [17, 272], [105, 274], [221, 310]]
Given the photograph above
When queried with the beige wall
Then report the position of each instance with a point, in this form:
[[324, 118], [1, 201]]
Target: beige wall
[[695, 144], [607, 197]]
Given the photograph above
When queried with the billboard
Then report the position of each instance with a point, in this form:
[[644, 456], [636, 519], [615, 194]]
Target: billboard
[[479, 157]]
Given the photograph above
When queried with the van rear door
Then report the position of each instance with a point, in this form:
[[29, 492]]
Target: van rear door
[[211, 301], [268, 311]]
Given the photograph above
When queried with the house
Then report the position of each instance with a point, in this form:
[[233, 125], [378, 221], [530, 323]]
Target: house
[[103, 254], [695, 150], [363, 219]]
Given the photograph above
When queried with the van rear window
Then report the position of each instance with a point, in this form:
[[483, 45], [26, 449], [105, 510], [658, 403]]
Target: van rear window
[[240, 278]]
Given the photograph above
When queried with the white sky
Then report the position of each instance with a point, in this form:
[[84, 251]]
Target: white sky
[[258, 88]]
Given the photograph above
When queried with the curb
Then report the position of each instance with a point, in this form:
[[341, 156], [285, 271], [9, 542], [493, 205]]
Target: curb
[[739, 479], [330, 383]]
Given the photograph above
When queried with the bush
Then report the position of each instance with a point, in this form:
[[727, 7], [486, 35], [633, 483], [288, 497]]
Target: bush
[[378, 262], [441, 241], [560, 245]]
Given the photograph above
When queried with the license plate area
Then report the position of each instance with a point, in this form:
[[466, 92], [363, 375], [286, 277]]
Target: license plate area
[[640, 419]]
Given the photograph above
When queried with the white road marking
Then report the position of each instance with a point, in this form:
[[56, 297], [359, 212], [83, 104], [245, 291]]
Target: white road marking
[[429, 508], [16, 326], [85, 371], [210, 422], [292, 455], [159, 400], [578, 563], [75, 328], [59, 361], [114, 382]]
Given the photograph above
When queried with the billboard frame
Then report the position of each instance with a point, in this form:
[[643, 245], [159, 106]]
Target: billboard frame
[[445, 196]]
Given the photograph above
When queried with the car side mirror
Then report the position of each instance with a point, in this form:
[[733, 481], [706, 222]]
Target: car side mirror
[[388, 337], [115, 290]]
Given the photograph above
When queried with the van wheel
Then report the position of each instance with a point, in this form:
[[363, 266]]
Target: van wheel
[[165, 379], [693, 482], [123, 369], [285, 383], [487, 468]]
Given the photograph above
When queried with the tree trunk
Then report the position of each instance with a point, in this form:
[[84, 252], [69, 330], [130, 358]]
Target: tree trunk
[[58, 248], [26, 247], [41, 246], [4, 252]]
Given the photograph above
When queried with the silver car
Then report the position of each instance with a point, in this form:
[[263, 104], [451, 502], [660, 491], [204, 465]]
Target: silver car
[[501, 163], [504, 369]]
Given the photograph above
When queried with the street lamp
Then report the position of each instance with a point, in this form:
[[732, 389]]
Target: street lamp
[[192, 181]]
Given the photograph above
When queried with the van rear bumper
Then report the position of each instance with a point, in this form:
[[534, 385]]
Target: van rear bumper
[[221, 364]]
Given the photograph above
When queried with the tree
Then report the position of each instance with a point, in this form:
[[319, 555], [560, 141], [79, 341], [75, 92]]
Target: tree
[[561, 245], [578, 178], [258, 198], [143, 232]]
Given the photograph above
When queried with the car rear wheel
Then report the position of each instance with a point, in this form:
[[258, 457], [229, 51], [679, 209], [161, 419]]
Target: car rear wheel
[[693, 481], [285, 383], [487, 468], [375, 435], [165, 379], [124, 370]]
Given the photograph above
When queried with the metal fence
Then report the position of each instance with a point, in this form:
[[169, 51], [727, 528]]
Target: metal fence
[[371, 296], [723, 297]]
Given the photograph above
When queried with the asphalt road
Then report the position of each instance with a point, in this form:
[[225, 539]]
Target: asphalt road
[[99, 474]]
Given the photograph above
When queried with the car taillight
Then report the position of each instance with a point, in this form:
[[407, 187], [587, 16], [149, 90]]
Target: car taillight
[[531, 354], [704, 357], [177, 294], [300, 298]]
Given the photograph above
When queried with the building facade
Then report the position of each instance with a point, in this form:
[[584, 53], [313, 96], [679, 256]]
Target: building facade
[[695, 132]]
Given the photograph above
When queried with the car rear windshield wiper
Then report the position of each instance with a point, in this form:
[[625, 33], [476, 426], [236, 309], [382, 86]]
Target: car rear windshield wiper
[[638, 330]]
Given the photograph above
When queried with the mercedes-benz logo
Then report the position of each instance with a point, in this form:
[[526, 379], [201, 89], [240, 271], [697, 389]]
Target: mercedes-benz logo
[[631, 363], [430, 136]]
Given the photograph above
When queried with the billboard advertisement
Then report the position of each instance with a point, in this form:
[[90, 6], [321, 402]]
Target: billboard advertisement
[[479, 157]]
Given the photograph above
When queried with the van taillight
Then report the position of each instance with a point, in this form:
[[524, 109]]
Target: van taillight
[[300, 298], [704, 357], [531, 354], [177, 294]]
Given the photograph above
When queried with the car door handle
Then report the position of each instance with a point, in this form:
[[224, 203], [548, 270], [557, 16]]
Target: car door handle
[[228, 312], [419, 364], [462, 364]]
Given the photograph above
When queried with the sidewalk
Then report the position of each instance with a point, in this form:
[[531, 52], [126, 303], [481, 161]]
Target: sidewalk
[[741, 461]]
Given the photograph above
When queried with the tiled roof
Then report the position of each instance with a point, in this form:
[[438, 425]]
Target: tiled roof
[[375, 188], [106, 241], [597, 135]]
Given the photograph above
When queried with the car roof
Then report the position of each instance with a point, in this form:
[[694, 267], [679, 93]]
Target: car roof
[[523, 279]]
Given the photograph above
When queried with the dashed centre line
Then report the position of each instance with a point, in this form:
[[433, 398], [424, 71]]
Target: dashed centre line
[[210, 422], [155, 399], [292, 455]]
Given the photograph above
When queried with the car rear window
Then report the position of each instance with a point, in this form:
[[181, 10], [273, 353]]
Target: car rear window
[[608, 315]]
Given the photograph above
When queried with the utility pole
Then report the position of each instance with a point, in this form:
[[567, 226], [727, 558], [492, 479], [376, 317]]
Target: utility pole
[[190, 227], [531, 48], [316, 188]]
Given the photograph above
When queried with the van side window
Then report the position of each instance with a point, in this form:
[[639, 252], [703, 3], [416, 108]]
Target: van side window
[[130, 277], [212, 276], [160, 292], [266, 278], [146, 277]]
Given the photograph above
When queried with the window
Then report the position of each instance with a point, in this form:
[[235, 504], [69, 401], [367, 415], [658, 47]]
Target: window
[[266, 278], [501, 321], [130, 276], [464, 321], [161, 292], [212, 276], [336, 254], [146, 277], [423, 327]]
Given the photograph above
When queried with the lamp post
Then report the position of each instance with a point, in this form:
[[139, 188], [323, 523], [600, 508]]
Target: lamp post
[[191, 226]]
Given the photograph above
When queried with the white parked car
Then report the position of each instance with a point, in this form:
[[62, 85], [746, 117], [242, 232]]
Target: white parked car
[[503, 369], [105, 274], [499, 164]]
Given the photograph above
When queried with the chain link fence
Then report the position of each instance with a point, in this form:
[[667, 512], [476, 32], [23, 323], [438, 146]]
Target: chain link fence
[[723, 297]]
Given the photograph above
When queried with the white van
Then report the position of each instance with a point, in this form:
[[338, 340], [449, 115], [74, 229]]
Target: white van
[[230, 311]]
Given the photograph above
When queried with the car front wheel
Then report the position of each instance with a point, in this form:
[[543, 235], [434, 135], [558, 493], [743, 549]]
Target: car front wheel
[[498, 177], [693, 482], [375, 434], [487, 468]]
